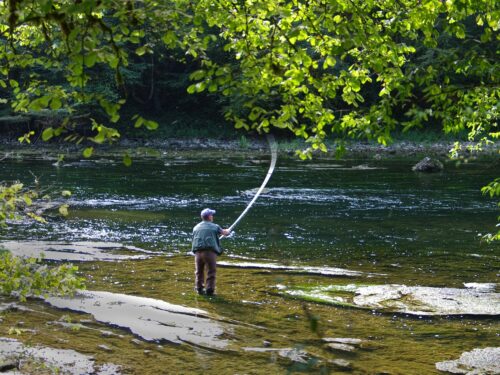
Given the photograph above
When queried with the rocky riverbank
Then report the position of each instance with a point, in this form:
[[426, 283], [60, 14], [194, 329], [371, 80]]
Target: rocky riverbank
[[243, 145]]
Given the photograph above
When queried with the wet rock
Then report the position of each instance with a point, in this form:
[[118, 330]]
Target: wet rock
[[363, 167], [66, 360], [151, 319], [325, 271], [483, 287], [71, 326], [293, 354], [14, 307], [74, 251], [266, 343], [477, 361], [416, 300], [338, 347], [105, 348], [341, 363], [428, 165], [428, 300], [343, 340], [108, 334]]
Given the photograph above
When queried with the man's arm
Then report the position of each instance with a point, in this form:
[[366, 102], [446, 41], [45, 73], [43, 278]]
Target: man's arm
[[225, 232]]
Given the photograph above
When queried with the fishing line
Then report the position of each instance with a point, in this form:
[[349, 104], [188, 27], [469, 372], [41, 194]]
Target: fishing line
[[274, 156]]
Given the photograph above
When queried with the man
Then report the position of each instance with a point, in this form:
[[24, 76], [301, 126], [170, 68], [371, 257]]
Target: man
[[206, 247]]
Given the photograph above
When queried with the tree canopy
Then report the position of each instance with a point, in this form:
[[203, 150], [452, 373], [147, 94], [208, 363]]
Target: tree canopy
[[348, 67]]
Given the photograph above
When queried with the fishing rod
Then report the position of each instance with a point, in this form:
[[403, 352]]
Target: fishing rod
[[274, 156]]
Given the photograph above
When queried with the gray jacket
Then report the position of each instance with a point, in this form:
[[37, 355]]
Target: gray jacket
[[206, 237]]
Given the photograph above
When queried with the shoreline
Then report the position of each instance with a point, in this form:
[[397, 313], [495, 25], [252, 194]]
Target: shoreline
[[138, 147]]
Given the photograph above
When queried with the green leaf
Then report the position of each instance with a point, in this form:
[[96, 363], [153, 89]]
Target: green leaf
[[66, 193], [90, 59], [151, 125], [138, 122], [27, 200], [47, 134], [141, 50], [87, 153], [55, 104], [127, 160], [63, 210]]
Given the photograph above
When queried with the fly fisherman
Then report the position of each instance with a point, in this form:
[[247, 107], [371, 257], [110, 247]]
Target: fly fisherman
[[206, 247]]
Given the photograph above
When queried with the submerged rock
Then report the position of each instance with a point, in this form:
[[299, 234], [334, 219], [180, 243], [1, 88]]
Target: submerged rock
[[66, 360], [428, 165], [293, 354], [335, 346], [341, 363], [416, 300], [148, 318], [105, 348], [75, 251], [343, 340], [325, 271], [477, 361]]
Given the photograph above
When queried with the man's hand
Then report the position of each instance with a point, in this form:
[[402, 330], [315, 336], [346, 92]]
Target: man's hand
[[226, 232]]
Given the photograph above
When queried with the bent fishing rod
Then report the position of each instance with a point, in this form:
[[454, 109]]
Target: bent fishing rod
[[274, 157]]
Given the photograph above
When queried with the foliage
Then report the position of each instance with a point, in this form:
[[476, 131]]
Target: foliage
[[18, 202], [355, 68], [313, 67], [493, 190], [13, 198], [23, 277]]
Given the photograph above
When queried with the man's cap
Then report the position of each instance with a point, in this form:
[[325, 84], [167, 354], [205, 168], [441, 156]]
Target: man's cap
[[207, 212]]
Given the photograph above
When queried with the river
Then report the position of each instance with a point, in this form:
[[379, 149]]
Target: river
[[375, 218]]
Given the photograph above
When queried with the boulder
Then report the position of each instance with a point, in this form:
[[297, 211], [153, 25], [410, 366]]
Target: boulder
[[428, 165]]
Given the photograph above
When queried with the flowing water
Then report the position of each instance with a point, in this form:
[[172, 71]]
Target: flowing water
[[376, 217]]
